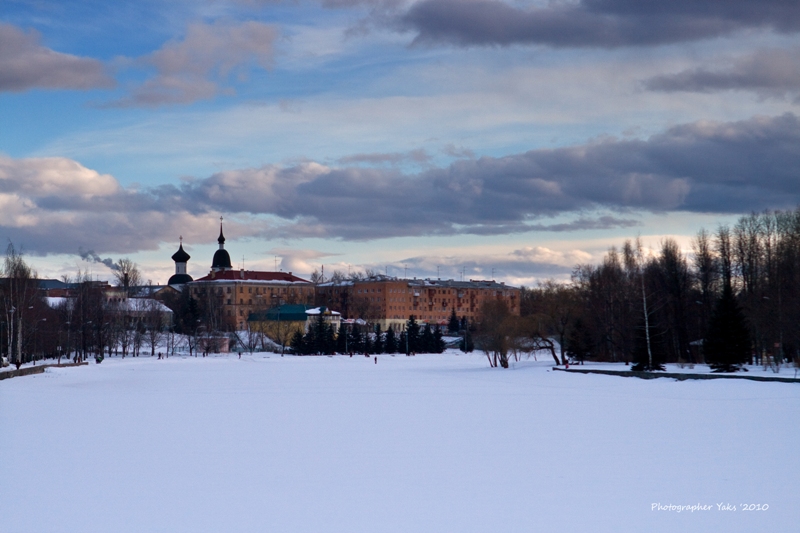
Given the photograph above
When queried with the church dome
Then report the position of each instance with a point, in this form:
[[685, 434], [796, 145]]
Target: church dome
[[222, 260], [181, 256], [179, 279]]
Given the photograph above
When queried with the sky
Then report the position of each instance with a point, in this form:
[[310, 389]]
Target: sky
[[464, 139]]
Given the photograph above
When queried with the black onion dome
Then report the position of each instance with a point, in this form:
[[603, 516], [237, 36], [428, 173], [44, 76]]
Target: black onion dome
[[221, 259], [221, 238], [181, 256], [179, 279]]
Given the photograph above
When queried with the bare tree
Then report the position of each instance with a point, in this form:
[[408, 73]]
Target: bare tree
[[19, 295], [127, 275], [154, 320]]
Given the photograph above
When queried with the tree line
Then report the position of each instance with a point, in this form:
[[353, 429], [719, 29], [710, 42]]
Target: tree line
[[86, 324], [734, 299], [321, 339]]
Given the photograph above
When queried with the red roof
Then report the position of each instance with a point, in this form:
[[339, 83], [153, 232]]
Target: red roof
[[252, 275]]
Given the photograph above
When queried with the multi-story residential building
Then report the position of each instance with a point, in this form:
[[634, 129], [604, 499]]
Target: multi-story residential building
[[390, 301]]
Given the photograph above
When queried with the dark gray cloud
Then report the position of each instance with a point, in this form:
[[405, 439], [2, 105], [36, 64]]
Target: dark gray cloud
[[706, 167], [593, 23], [770, 73], [26, 64], [55, 204]]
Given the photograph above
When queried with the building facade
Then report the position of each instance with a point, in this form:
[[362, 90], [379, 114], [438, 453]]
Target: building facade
[[391, 301], [228, 297]]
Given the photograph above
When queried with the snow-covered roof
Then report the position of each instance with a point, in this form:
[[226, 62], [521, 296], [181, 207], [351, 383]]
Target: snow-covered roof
[[252, 276], [323, 310]]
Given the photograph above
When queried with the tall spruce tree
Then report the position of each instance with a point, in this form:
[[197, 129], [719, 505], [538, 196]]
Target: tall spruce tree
[[412, 334], [438, 341], [378, 345], [297, 344], [727, 345], [390, 344], [454, 325], [427, 341]]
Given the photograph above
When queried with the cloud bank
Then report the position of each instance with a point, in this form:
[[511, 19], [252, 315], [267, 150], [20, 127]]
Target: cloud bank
[[57, 205], [770, 73], [593, 23]]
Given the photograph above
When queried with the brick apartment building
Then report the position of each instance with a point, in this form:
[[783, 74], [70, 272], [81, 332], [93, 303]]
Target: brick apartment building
[[390, 301]]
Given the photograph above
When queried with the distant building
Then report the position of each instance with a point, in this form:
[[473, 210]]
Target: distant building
[[230, 296], [390, 301]]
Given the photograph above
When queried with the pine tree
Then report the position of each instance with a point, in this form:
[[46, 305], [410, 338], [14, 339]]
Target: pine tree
[[579, 341], [367, 343], [390, 344], [377, 346], [354, 341], [427, 340], [297, 343], [727, 345], [438, 341], [453, 325], [412, 334], [330, 340]]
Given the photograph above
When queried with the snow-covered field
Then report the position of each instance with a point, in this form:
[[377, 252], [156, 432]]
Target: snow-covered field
[[410, 444]]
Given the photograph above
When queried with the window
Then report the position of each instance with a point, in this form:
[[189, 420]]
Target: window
[[229, 291], [229, 301], [250, 290], [241, 302]]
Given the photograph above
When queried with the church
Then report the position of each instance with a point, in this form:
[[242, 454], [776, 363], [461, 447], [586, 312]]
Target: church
[[229, 296]]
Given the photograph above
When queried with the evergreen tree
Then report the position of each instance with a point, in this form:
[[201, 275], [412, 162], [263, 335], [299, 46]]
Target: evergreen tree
[[319, 337], [727, 344], [427, 341], [438, 341], [402, 344], [377, 346], [355, 344], [453, 325], [412, 334], [648, 358], [297, 343], [390, 344], [579, 341], [330, 340], [367, 343]]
